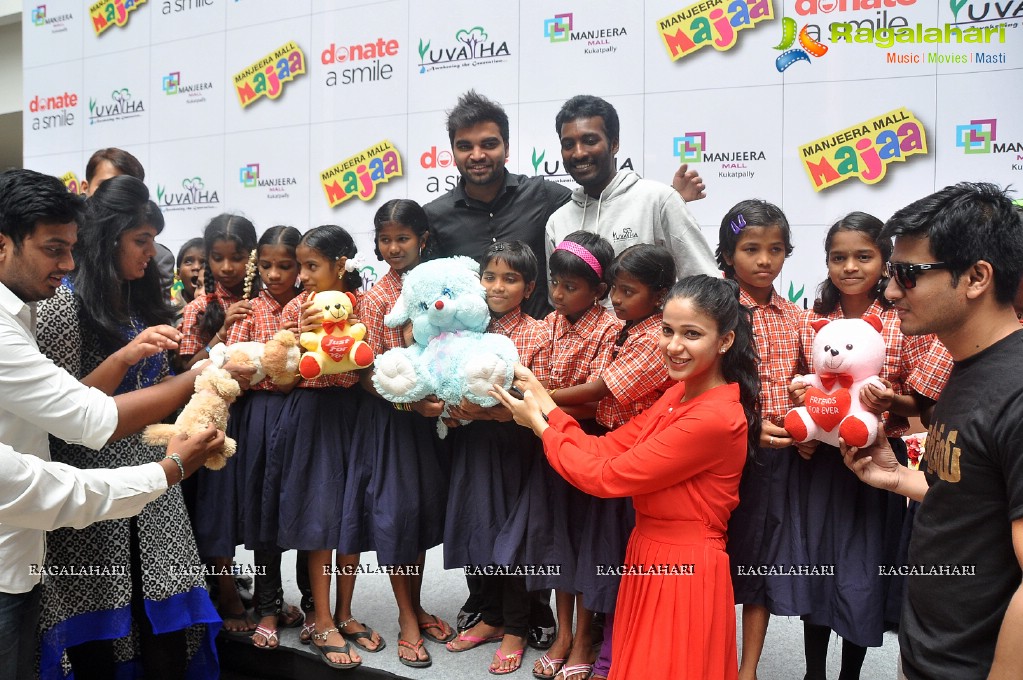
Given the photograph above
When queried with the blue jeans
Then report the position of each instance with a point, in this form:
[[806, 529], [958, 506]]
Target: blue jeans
[[19, 619]]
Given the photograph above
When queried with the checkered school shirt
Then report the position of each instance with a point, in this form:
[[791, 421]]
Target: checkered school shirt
[[259, 326], [374, 305], [903, 358], [291, 313], [581, 351], [532, 339], [191, 343], [636, 374], [776, 333]]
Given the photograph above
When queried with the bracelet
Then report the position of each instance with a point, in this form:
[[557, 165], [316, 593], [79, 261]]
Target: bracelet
[[181, 468], [550, 393], [403, 407]]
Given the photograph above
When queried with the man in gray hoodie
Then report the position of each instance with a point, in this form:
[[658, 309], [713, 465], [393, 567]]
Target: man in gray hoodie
[[620, 206]]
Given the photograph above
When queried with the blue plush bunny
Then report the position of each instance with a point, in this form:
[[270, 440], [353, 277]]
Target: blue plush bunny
[[453, 357]]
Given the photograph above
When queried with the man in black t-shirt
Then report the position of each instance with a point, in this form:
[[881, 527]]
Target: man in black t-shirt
[[955, 271]]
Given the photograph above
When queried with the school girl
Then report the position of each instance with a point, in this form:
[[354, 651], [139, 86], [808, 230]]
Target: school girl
[[847, 524], [491, 462], [308, 459], [206, 321], [753, 242], [583, 332], [398, 479]]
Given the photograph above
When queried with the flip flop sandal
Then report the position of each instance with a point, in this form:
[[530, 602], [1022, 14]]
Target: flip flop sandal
[[475, 640], [417, 662], [358, 638], [548, 664], [306, 636], [426, 628], [568, 672], [333, 649], [243, 635], [268, 635], [503, 658]]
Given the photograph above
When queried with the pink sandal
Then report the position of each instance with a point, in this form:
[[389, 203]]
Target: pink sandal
[[517, 655], [474, 639], [269, 634], [548, 664]]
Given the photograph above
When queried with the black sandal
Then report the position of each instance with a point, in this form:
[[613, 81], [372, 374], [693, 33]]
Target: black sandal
[[325, 649], [358, 637]]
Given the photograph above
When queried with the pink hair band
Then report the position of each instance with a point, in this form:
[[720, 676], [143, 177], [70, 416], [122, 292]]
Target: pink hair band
[[584, 255]]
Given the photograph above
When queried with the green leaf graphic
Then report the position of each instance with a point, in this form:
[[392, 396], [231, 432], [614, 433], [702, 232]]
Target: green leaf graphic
[[956, 5], [794, 294], [423, 49], [537, 160]]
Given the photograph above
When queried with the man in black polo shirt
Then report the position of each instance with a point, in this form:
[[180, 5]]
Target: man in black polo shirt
[[955, 271], [491, 204]]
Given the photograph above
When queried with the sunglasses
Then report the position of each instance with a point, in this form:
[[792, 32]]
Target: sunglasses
[[905, 273]]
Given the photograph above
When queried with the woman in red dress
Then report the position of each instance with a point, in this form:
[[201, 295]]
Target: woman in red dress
[[680, 461]]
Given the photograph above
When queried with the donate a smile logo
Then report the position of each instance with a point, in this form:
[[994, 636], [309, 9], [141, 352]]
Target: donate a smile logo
[[690, 147], [977, 136]]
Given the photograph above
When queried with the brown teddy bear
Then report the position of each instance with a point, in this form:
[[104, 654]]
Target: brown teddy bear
[[216, 390]]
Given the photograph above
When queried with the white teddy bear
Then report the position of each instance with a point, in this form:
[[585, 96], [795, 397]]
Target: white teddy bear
[[847, 354]]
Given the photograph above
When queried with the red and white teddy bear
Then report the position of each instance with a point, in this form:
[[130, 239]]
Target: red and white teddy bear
[[847, 354]]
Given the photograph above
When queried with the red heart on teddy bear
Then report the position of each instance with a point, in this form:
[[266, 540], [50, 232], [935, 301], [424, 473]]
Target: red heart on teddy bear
[[336, 348], [827, 410]]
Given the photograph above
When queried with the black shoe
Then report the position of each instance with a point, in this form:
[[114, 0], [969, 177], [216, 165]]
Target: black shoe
[[541, 637], [467, 620]]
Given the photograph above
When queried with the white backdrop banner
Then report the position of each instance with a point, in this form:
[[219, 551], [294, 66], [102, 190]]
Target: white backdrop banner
[[313, 112]]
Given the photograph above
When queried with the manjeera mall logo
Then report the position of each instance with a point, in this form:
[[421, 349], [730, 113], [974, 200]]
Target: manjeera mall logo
[[691, 147], [195, 91], [562, 29]]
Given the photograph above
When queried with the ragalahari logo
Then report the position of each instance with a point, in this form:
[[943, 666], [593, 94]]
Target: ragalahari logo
[[977, 136], [249, 175], [690, 147], [559, 28], [807, 46], [712, 23]]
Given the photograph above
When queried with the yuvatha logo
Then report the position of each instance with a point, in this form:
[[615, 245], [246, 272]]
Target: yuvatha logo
[[807, 45], [195, 196], [559, 28], [476, 48], [690, 147], [122, 107], [976, 137]]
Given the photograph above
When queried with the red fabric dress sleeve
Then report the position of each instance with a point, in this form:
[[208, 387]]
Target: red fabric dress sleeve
[[622, 463]]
